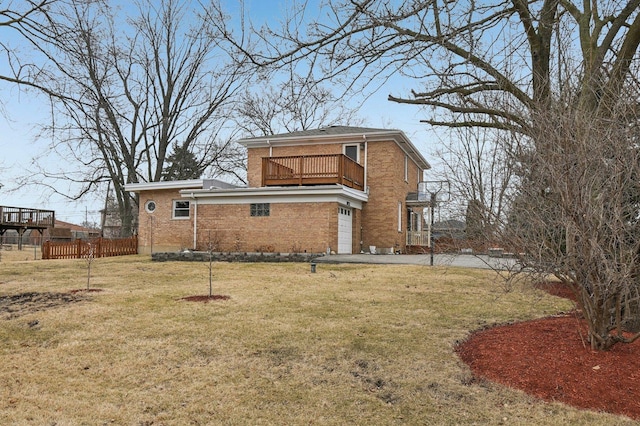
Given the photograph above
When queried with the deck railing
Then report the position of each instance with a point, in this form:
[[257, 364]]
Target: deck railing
[[418, 238], [312, 170], [18, 216], [99, 247]]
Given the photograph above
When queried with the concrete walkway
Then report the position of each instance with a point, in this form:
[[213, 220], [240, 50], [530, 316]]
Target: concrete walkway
[[460, 260]]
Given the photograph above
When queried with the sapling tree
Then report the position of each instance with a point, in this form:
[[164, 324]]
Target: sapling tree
[[89, 257], [210, 248]]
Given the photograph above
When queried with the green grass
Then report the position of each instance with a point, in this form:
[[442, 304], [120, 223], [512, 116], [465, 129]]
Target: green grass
[[347, 345]]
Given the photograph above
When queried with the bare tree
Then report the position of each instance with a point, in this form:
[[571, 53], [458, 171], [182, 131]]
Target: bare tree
[[297, 103], [576, 212], [489, 65], [20, 16], [121, 95], [476, 163]]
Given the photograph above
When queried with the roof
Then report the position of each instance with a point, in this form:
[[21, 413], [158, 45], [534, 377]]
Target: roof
[[179, 184], [342, 134], [279, 194], [331, 130], [73, 226]]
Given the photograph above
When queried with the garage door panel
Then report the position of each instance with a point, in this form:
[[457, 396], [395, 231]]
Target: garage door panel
[[345, 230]]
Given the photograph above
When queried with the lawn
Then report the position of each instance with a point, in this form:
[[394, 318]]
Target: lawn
[[350, 344]]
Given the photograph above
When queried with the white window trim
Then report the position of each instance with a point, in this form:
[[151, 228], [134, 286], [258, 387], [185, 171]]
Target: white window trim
[[399, 216], [173, 210]]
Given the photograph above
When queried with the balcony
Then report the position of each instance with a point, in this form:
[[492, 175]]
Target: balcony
[[312, 170]]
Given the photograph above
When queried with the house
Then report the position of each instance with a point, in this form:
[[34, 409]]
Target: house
[[336, 189]]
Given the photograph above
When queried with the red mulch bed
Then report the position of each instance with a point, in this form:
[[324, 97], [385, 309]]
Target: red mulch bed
[[205, 299], [551, 359]]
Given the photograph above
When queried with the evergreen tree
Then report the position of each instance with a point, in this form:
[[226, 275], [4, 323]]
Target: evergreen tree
[[182, 164]]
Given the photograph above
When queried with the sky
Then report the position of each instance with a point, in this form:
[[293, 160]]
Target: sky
[[20, 114]]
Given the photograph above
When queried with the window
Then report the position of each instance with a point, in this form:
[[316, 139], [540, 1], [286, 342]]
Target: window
[[180, 209], [150, 206], [260, 209], [399, 216], [352, 151]]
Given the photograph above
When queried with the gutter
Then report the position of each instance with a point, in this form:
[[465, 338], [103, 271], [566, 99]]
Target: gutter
[[195, 221]]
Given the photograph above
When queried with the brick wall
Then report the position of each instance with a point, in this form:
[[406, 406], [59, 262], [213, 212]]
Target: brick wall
[[159, 229], [387, 188], [301, 227], [377, 224]]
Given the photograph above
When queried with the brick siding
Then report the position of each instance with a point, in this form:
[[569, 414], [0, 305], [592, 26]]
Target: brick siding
[[387, 188]]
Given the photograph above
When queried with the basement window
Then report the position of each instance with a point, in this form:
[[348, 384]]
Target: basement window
[[181, 209], [260, 209]]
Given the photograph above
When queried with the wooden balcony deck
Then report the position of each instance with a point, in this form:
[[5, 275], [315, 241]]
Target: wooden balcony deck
[[22, 218], [312, 170]]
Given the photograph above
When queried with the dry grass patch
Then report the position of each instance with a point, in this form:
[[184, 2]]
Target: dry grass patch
[[349, 344]]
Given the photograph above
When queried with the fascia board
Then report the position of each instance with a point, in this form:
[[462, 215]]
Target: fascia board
[[340, 194], [315, 139], [409, 148], [155, 186]]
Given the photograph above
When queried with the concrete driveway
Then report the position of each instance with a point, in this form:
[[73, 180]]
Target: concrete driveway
[[460, 260]]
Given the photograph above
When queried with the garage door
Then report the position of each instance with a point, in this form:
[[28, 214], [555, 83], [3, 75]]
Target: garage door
[[344, 230]]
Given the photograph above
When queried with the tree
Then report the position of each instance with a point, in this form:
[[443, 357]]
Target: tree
[[19, 17], [297, 103], [578, 207], [122, 94], [181, 164], [505, 66], [488, 65], [477, 164]]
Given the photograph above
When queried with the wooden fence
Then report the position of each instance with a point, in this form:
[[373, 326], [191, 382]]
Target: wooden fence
[[99, 247]]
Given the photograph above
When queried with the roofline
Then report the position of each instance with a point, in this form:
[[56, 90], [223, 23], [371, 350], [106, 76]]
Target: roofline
[[151, 186], [270, 191], [375, 135]]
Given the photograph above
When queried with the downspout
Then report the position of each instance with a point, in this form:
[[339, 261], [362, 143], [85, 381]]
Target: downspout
[[195, 221], [366, 146], [270, 148]]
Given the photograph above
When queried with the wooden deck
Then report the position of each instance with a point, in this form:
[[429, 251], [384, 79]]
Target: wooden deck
[[21, 218], [312, 170]]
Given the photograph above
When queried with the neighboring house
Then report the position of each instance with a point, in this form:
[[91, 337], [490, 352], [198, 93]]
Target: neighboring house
[[63, 231], [337, 189]]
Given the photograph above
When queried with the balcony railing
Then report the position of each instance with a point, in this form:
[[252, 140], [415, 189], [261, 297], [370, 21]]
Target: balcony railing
[[312, 170], [418, 238]]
